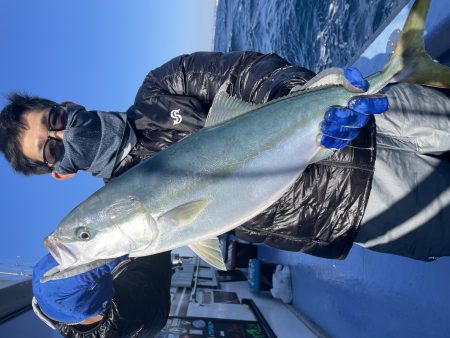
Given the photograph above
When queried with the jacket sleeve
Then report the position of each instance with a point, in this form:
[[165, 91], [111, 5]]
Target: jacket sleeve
[[141, 302], [188, 84], [142, 292]]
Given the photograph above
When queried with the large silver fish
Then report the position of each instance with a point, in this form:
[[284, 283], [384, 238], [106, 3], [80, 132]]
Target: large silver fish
[[244, 159]]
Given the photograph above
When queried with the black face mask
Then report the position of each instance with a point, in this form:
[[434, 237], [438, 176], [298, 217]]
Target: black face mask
[[93, 140]]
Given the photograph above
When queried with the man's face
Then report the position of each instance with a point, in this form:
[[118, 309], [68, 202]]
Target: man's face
[[34, 137]]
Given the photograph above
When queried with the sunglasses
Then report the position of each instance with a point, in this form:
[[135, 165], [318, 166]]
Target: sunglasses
[[53, 147]]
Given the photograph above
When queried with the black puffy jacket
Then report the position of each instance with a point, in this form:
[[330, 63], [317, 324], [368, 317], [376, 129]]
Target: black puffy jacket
[[321, 212]]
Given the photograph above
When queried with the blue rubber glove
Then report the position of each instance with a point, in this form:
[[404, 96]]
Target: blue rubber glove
[[343, 124], [74, 299]]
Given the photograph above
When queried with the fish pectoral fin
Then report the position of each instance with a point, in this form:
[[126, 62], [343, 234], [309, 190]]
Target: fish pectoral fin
[[225, 107], [209, 251], [183, 214], [331, 77]]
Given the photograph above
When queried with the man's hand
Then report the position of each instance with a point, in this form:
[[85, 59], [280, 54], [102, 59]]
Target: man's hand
[[343, 124], [74, 299]]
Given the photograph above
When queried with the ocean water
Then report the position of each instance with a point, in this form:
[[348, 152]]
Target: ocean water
[[315, 34]]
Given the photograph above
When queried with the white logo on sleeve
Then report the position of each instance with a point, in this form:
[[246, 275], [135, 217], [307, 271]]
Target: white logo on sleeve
[[175, 115]]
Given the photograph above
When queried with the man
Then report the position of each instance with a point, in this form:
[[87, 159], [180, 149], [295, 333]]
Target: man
[[319, 215], [173, 102]]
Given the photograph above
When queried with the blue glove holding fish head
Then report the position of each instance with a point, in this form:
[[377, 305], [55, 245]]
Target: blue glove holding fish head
[[342, 124], [74, 299]]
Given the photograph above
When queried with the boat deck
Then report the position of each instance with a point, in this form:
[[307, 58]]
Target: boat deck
[[370, 294]]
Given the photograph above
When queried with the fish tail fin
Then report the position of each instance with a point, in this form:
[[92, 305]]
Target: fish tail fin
[[417, 66]]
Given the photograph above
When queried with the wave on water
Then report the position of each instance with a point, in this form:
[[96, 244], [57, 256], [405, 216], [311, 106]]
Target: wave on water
[[309, 33]]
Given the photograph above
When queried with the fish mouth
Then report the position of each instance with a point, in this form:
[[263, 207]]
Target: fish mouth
[[60, 252]]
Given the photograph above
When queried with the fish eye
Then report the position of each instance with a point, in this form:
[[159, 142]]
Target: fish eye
[[83, 234]]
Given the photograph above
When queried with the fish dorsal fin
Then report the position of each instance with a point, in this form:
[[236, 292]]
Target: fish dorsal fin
[[331, 77], [183, 214], [209, 251], [225, 108]]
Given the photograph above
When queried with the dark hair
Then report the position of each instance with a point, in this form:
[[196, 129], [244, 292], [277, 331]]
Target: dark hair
[[12, 125]]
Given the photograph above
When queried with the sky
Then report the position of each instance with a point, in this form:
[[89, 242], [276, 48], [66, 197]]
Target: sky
[[95, 53]]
